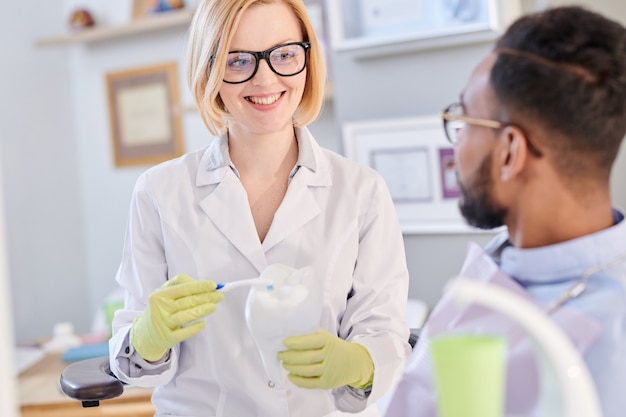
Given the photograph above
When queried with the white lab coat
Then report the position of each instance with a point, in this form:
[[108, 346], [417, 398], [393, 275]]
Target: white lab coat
[[191, 215]]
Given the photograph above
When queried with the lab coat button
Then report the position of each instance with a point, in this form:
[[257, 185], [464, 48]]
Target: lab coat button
[[271, 384]]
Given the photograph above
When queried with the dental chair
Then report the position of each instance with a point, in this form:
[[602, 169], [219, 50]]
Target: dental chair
[[91, 380]]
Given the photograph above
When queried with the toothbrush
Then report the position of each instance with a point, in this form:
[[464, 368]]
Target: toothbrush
[[227, 286]]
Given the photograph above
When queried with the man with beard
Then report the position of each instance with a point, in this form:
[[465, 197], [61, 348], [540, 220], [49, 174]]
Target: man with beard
[[536, 133]]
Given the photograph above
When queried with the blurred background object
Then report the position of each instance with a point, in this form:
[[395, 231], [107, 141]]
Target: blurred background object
[[81, 19], [166, 5]]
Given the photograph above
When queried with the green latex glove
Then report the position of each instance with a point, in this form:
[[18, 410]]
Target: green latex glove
[[178, 302], [323, 360]]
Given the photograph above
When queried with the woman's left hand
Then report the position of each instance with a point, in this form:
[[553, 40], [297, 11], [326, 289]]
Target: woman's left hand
[[323, 360]]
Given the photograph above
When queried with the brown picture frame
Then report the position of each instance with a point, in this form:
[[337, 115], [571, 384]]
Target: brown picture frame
[[145, 114]]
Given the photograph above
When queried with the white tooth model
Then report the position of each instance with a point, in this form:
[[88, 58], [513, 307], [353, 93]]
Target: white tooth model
[[573, 393], [291, 306]]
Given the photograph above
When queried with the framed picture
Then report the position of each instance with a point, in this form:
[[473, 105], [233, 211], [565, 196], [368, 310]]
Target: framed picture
[[387, 26], [406, 172], [145, 114], [447, 166], [417, 163]]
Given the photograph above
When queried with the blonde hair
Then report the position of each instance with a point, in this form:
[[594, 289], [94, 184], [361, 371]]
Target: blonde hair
[[212, 29]]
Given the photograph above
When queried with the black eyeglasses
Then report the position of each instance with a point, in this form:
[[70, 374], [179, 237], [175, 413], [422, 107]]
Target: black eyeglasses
[[285, 60], [454, 120]]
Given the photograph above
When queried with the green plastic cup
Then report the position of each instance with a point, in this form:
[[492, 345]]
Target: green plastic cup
[[109, 313], [469, 375]]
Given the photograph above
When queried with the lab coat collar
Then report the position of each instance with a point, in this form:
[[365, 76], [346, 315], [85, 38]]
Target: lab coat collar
[[299, 206], [307, 157], [215, 161], [228, 207]]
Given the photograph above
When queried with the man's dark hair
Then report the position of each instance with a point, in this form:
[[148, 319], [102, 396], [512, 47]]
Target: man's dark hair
[[564, 69]]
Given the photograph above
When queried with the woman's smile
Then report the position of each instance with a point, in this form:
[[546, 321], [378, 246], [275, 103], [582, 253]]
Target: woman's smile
[[264, 100]]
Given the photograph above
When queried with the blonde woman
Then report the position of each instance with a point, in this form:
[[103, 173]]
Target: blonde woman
[[263, 192]]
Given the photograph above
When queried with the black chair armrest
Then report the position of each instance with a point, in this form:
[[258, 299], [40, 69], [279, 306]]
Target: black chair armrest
[[413, 336], [90, 381]]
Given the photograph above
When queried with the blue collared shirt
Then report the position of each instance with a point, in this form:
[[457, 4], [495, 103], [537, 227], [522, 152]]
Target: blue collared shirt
[[595, 320], [547, 272]]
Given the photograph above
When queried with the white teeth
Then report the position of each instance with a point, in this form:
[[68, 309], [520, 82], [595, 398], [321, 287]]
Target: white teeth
[[264, 100]]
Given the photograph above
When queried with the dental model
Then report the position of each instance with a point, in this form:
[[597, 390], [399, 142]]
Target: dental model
[[290, 306]]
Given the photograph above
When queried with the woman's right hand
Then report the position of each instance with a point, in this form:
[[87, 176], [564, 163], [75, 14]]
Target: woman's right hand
[[168, 318]]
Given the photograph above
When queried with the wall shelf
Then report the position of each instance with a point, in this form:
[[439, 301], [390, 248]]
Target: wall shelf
[[153, 23], [375, 28]]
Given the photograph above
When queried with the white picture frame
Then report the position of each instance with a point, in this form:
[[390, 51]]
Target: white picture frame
[[416, 161], [376, 27]]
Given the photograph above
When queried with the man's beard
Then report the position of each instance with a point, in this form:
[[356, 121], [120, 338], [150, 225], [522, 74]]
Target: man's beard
[[476, 203]]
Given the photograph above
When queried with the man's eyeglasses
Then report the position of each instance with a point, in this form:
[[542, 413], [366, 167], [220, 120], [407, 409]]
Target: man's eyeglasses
[[454, 120], [286, 60]]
